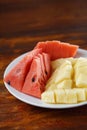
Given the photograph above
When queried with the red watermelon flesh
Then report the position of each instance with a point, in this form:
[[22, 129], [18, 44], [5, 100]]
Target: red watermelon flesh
[[57, 49], [47, 65], [42, 80], [43, 67], [17, 75], [33, 82]]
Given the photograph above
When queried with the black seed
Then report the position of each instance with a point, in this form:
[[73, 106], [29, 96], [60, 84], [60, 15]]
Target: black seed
[[33, 79], [8, 82], [46, 72]]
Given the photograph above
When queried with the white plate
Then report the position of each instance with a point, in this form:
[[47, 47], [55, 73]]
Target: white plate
[[35, 101]]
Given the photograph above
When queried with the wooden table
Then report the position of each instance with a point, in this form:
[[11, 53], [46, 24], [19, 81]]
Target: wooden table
[[22, 24]]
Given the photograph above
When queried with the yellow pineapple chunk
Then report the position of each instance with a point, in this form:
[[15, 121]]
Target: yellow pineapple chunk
[[65, 71], [68, 82], [80, 75], [81, 94], [67, 96], [60, 95], [85, 92], [71, 96], [48, 97], [81, 80], [51, 87], [65, 84], [81, 62], [57, 63]]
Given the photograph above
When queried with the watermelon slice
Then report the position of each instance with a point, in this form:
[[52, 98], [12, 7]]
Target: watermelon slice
[[43, 67], [57, 49], [17, 75], [42, 80], [46, 59], [37, 76], [33, 83]]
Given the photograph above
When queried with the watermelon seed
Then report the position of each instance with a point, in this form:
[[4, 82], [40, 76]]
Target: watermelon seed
[[33, 79], [46, 72], [8, 82]]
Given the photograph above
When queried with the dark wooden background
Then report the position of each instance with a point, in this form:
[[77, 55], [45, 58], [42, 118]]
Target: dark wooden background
[[22, 24]]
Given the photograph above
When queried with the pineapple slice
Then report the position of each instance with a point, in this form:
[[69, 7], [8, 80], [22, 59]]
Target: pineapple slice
[[71, 96], [81, 62], [85, 92], [68, 82], [52, 78], [72, 60], [57, 63], [81, 80], [80, 70], [65, 71], [67, 96], [51, 87], [81, 94], [60, 96], [65, 84], [49, 83], [48, 97]]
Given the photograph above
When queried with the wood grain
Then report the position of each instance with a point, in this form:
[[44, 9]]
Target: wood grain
[[22, 24], [43, 17]]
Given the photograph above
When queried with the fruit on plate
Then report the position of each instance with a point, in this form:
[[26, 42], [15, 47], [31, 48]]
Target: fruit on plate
[[61, 76], [56, 63], [65, 71], [57, 49], [48, 97], [33, 71], [81, 72], [81, 94], [61, 96], [68, 81], [45, 65], [17, 75], [64, 96], [35, 82]]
